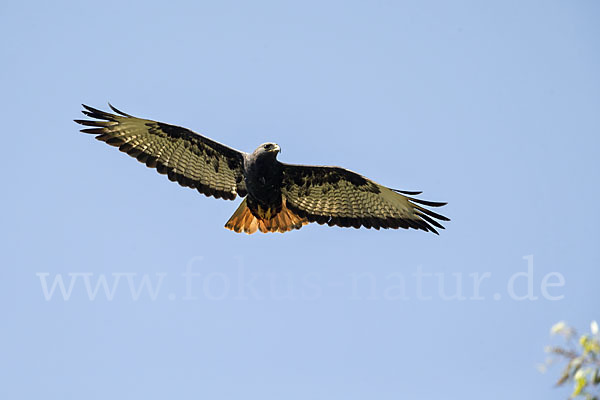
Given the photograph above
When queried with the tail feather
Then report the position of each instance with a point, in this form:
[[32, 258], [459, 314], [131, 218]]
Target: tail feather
[[243, 220]]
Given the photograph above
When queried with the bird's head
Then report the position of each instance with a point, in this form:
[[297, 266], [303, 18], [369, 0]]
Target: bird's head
[[267, 150]]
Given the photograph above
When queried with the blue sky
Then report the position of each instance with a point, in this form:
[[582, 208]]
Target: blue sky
[[491, 106]]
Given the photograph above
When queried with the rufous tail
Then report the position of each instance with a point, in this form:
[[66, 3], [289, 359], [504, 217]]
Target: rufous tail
[[243, 220]]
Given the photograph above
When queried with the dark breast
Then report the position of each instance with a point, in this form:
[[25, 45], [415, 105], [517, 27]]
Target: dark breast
[[263, 178]]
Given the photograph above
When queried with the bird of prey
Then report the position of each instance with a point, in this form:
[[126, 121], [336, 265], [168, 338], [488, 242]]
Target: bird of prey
[[279, 197]]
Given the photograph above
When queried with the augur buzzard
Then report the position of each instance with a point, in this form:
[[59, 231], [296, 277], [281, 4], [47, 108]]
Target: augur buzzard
[[279, 197]]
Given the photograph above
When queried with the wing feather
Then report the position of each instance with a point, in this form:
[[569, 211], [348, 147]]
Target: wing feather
[[184, 156], [337, 196]]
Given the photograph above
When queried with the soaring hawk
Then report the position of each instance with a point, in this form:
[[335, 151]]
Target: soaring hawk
[[279, 197]]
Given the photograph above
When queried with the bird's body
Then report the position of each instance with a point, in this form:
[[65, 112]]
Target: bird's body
[[263, 175], [264, 207], [279, 197]]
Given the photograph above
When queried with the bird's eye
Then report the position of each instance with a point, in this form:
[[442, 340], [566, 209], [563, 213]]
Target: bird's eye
[[268, 146]]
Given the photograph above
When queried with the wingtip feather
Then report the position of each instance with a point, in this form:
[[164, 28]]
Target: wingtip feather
[[115, 109], [407, 192]]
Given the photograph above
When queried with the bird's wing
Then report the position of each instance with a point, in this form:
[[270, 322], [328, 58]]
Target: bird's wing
[[337, 196], [184, 156]]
